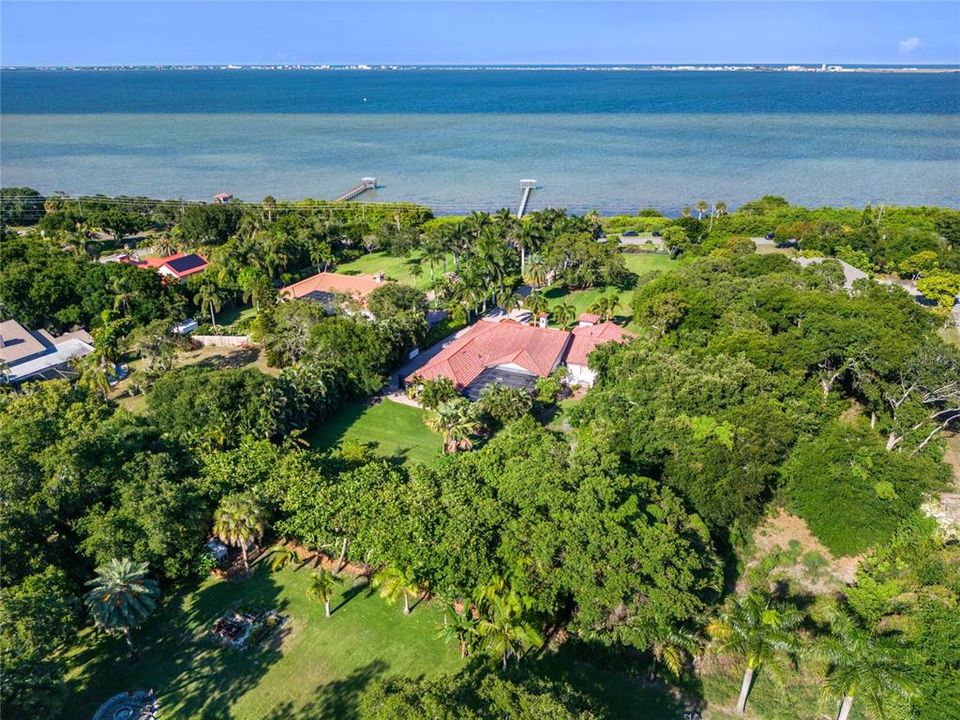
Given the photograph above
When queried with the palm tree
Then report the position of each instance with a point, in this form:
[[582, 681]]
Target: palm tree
[[208, 300], [535, 303], [416, 271], [759, 630], [395, 584], [122, 294], [564, 314], [860, 663], [163, 244], [238, 521], [455, 420], [503, 627], [321, 587], [121, 596], [605, 306], [701, 207], [685, 211], [536, 271], [281, 557], [269, 205], [460, 627]]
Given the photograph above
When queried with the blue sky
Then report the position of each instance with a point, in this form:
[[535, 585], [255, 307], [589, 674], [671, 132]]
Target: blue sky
[[111, 33]]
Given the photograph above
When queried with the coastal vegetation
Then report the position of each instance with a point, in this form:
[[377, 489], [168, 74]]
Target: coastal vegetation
[[585, 569]]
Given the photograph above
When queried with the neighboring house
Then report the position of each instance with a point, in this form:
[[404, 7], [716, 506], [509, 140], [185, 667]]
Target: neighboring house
[[515, 355], [586, 337], [850, 273], [179, 266], [325, 287], [36, 354]]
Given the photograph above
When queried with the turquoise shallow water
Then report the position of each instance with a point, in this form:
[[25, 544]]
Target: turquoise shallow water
[[613, 161]]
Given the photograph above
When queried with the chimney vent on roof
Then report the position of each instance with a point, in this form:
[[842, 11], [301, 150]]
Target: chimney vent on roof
[[542, 319]]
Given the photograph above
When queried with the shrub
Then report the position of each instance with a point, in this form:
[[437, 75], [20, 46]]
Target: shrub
[[852, 492]]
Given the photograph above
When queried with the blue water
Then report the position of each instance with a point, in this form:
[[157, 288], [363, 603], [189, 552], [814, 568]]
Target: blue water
[[459, 139]]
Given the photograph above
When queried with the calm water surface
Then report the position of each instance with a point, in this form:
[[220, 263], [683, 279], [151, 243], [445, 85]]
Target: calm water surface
[[463, 139]]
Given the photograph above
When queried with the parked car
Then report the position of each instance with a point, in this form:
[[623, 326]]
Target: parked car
[[630, 233], [656, 233]]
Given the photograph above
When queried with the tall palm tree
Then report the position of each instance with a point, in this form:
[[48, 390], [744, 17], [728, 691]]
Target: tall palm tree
[[701, 207], [122, 294], [208, 300], [238, 521], [456, 421], [321, 587], [685, 211], [395, 584], [564, 314], [536, 271], [759, 630], [121, 596], [861, 664]]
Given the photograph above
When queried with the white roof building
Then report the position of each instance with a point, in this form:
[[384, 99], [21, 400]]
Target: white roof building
[[36, 354]]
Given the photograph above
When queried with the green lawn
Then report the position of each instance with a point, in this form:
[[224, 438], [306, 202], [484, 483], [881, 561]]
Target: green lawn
[[232, 315], [639, 263], [395, 430], [394, 267], [312, 662]]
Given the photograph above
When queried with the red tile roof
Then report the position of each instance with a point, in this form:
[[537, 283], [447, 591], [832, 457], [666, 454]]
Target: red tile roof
[[587, 337], [327, 283], [537, 350], [588, 318]]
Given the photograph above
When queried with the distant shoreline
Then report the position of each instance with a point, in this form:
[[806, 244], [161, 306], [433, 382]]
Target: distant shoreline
[[785, 68]]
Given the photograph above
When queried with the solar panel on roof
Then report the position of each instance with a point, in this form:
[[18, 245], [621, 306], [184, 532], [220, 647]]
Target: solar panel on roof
[[187, 262]]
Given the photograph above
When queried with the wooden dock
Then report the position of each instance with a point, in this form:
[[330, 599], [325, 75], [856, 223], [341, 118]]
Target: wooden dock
[[367, 183], [527, 186]]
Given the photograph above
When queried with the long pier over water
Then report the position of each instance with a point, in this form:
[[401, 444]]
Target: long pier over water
[[367, 183]]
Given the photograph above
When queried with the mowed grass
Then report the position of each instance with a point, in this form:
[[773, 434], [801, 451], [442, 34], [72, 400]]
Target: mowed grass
[[393, 429], [637, 263], [394, 267], [313, 664]]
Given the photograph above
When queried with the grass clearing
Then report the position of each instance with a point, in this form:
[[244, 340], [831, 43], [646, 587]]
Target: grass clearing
[[395, 430], [394, 267], [638, 263], [313, 664]]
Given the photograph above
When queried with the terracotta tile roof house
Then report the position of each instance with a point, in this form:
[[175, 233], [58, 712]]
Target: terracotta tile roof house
[[514, 354], [322, 287], [30, 354], [586, 338], [177, 266]]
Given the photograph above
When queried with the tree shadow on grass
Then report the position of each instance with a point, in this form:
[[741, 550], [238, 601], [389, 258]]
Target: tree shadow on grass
[[359, 587], [615, 680], [192, 673], [234, 359], [336, 700]]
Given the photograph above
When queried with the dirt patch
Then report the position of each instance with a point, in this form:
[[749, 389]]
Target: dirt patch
[[785, 541]]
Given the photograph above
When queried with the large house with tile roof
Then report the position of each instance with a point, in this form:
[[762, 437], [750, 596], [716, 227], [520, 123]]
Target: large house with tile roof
[[326, 286], [516, 354]]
